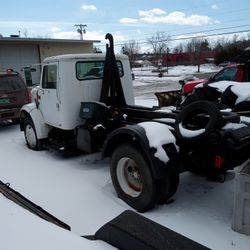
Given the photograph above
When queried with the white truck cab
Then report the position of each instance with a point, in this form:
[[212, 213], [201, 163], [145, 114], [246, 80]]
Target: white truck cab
[[66, 81]]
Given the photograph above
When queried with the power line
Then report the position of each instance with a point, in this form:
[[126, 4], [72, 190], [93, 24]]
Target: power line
[[202, 36], [188, 38], [202, 31], [216, 15], [218, 34], [233, 27]]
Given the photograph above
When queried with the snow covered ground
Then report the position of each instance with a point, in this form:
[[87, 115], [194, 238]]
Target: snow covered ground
[[78, 191], [146, 82]]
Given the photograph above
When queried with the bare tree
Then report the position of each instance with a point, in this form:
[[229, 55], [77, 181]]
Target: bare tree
[[25, 33], [248, 35], [97, 50], [195, 47], [178, 49], [131, 49], [160, 43]]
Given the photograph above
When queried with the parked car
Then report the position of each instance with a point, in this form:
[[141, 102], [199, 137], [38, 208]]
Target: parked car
[[13, 95], [238, 72], [232, 72]]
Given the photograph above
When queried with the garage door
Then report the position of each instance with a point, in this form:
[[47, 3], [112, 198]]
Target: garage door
[[18, 56]]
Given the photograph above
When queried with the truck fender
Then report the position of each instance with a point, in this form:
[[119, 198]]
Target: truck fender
[[136, 135], [42, 129]]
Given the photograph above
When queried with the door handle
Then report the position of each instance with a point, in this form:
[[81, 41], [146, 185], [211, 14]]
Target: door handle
[[57, 106]]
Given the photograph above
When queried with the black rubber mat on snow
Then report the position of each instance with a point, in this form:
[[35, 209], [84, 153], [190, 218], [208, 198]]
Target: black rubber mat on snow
[[130, 230]]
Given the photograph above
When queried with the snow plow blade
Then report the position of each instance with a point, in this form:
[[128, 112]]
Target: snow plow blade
[[19, 199], [168, 98]]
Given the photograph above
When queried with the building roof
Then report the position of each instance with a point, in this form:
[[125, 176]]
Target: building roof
[[22, 40]]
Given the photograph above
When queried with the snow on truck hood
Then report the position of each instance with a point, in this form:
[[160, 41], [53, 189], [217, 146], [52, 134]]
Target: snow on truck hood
[[159, 134]]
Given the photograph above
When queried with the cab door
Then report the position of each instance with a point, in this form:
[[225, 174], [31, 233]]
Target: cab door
[[49, 103]]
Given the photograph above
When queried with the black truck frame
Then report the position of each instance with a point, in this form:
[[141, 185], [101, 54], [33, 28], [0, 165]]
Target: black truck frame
[[141, 179]]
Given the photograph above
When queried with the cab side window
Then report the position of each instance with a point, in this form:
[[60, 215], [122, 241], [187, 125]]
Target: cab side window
[[49, 77]]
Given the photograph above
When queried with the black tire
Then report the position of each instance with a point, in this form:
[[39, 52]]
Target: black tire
[[132, 178], [30, 134], [168, 187], [209, 117]]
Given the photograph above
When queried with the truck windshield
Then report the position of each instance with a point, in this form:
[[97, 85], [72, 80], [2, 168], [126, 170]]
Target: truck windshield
[[93, 70]]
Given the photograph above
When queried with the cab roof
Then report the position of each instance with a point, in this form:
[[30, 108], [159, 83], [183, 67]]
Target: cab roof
[[69, 57]]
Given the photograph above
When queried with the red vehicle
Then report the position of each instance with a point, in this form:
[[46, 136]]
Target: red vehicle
[[239, 72], [13, 95], [233, 72]]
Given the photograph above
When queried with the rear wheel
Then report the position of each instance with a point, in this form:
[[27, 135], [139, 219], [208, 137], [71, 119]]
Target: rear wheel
[[168, 187], [30, 134], [132, 178]]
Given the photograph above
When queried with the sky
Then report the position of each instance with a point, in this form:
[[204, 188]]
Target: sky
[[127, 20]]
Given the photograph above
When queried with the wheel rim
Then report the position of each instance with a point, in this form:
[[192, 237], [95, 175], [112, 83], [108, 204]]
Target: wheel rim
[[129, 177], [30, 136]]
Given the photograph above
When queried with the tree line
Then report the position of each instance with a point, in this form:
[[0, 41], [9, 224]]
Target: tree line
[[225, 49]]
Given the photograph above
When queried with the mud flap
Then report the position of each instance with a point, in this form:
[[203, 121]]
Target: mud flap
[[130, 230]]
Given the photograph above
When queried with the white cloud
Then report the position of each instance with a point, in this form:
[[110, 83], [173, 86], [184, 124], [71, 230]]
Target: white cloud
[[197, 35], [66, 35], [215, 7], [176, 17], [55, 29], [152, 12], [126, 20], [90, 35], [89, 7]]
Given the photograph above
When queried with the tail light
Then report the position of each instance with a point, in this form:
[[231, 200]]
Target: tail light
[[29, 95], [218, 162]]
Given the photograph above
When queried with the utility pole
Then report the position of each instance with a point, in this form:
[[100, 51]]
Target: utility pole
[[81, 30]]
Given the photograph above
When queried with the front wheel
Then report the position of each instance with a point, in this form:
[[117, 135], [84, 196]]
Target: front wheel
[[30, 134], [132, 178]]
